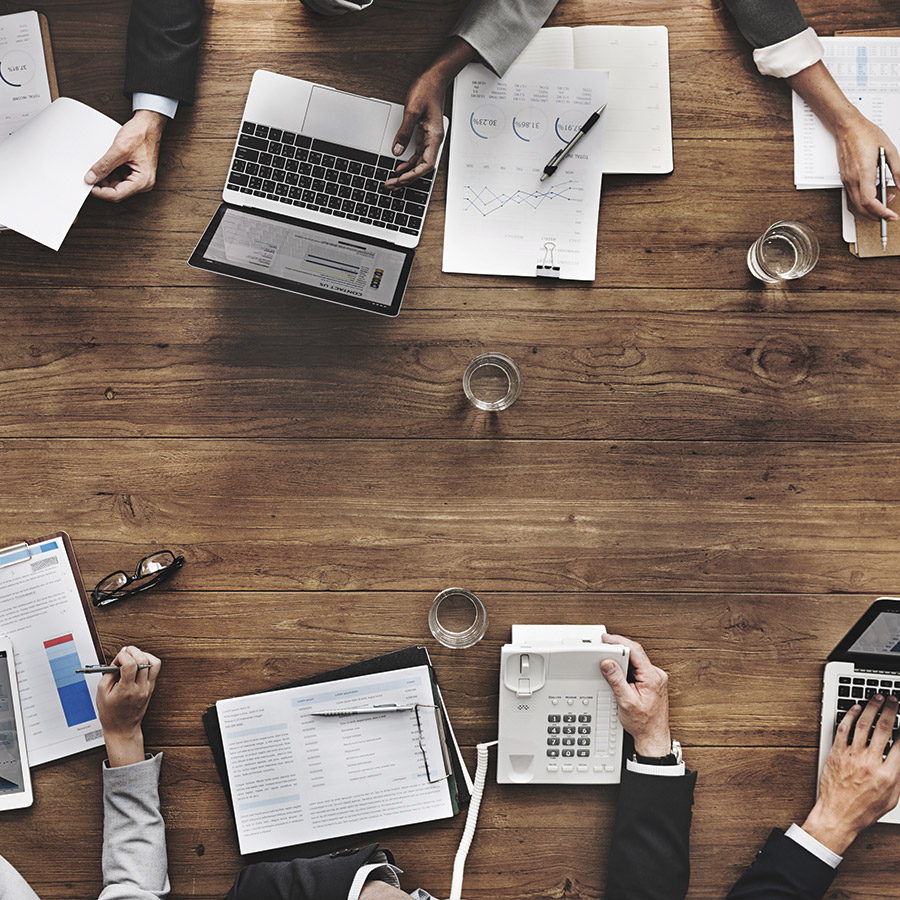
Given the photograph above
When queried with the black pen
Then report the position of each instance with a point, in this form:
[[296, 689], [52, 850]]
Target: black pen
[[106, 670], [552, 166]]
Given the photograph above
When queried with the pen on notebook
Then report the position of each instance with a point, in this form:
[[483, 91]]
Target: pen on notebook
[[558, 157], [882, 177], [106, 670], [379, 708]]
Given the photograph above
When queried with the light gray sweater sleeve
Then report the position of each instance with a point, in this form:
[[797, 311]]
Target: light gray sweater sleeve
[[767, 22], [134, 834], [12, 885], [499, 29]]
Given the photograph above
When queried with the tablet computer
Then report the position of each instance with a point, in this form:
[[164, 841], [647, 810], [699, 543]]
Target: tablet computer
[[15, 776], [306, 258]]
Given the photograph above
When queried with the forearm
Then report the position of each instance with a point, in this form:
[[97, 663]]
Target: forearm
[[134, 834], [453, 58], [816, 86]]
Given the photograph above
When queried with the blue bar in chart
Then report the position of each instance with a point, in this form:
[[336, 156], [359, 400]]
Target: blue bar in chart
[[73, 690]]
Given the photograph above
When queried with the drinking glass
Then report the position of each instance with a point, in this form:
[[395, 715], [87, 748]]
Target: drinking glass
[[784, 251], [492, 381], [458, 618]]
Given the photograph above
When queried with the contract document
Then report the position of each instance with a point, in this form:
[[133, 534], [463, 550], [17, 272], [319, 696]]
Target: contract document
[[501, 218], [867, 70], [297, 778]]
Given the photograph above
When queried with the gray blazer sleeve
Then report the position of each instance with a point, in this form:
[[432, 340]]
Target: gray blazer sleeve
[[12, 885], [767, 22], [500, 29], [134, 835]]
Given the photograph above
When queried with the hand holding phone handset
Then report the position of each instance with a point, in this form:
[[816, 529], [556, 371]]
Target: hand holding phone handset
[[15, 776]]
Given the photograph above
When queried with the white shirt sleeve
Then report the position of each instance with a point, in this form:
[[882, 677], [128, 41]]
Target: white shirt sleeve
[[808, 842], [650, 769], [791, 56], [165, 106]]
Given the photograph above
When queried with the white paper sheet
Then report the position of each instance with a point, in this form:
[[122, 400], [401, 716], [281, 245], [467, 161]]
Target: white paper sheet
[[638, 127], [867, 69], [297, 778], [41, 611], [24, 86], [501, 218], [42, 168]]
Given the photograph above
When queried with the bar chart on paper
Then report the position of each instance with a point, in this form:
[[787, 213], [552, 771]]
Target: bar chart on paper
[[73, 691], [501, 218]]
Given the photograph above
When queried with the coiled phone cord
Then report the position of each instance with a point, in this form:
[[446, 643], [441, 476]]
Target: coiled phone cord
[[471, 819]]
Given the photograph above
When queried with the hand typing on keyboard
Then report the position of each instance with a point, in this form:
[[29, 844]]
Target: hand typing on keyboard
[[423, 115], [860, 781]]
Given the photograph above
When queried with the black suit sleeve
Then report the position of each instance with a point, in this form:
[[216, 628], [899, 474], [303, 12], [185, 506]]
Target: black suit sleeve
[[767, 22], [649, 855], [783, 870], [161, 52], [321, 878]]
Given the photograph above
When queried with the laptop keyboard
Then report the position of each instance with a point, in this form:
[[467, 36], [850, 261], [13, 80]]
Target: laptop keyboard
[[859, 690], [324, 177]]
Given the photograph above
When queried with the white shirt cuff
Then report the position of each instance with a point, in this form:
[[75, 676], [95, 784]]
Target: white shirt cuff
[[363, 873], [791, 56], [165, 106], [808, 842], [650, 769]]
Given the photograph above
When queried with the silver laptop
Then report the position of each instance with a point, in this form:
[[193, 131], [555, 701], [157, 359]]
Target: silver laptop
[[865, 662], [305, 206]]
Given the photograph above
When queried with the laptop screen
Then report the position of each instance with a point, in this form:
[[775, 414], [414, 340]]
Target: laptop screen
[[881, 637]]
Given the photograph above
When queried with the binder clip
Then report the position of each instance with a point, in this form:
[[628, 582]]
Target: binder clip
[[546, 269]]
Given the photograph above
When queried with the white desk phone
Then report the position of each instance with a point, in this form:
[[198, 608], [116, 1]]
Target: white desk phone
[[558, 719]]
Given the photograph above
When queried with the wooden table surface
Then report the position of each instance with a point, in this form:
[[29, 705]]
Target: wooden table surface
[[698, 461]]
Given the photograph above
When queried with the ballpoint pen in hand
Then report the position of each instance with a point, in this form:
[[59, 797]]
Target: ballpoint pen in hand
[[106, 670], [558, 157], [882, 177]]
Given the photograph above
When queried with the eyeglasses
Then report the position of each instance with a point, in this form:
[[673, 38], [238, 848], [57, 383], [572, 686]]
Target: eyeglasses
[[149, 572]]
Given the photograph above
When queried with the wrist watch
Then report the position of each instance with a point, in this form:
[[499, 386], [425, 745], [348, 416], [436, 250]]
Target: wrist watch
[[673, 758]]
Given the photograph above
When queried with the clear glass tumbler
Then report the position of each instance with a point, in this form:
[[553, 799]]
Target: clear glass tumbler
[[458, 618], [492, 381], [784, 251]]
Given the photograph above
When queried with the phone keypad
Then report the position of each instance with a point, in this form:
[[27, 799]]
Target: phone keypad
[[583, 728]]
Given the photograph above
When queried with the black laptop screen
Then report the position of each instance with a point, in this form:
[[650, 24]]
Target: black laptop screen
[[881, 637]]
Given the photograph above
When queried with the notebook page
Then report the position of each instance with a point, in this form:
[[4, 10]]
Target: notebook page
[[550, 48], [42, 168], [297, 778], [638, 136]]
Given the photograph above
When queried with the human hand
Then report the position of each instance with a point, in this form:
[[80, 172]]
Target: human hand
[[136, 147], [122, 702], [380, 890], [858, 783], [643, 703], [857, 149], [423, 116]]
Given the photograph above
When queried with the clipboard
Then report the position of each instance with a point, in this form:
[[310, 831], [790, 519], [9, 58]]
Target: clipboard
[[45, 610]]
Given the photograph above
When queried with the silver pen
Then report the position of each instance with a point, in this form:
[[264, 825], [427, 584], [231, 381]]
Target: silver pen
[[380, 708], [106, 670], [882, 177], [558, 157]]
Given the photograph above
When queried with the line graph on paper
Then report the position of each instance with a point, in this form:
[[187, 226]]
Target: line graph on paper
[[486, 201]]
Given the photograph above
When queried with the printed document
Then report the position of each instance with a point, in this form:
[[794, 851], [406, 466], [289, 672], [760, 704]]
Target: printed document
[[501, 218], [42, 168], [297, 778], [41, 611], [867, 70], [24, 85], [638, 129]]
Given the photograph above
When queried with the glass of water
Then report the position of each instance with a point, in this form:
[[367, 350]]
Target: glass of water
[[458, 618], [784, 251], [492, 381]]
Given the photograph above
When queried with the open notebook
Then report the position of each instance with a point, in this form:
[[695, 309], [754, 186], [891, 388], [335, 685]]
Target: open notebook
[[638, 120]]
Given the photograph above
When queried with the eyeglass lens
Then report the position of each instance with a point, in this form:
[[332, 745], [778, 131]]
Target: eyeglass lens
[[155, 563], [112, 582]]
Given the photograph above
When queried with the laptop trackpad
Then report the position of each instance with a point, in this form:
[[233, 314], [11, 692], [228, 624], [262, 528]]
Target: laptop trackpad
[[346, 119]]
